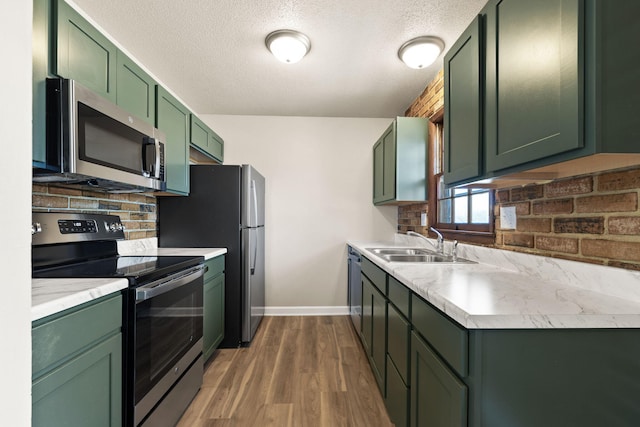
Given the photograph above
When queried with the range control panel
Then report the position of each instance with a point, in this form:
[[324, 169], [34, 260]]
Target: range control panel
[[52, 227], [78, 226]]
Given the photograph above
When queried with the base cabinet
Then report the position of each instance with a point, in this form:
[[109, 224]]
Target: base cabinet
[[77, 366], [438, 397], [213, 318], [437, 373], [374, 332]]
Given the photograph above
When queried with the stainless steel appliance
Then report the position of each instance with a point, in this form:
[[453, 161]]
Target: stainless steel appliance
[[354, 286], [91, 142], [225, 208], [162, 313]]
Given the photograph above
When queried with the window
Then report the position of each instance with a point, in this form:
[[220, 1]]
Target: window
[[461, 213]]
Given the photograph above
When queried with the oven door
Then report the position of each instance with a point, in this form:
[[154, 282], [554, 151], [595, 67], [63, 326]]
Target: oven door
[[168, 335]]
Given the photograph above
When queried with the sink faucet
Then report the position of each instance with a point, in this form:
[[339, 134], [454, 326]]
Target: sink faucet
[[439, 247]]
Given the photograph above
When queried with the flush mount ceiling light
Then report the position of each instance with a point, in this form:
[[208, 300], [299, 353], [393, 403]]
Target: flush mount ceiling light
[[421, 51], [287, 45]]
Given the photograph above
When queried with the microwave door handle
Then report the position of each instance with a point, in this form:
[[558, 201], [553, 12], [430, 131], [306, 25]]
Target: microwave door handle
[[148, 166], [167, 284]]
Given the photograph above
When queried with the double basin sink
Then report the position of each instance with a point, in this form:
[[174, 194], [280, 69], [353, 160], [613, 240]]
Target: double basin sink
[[416, 255]]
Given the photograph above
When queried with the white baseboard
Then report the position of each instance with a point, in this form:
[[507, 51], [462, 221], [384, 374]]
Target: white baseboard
[[307, 311]]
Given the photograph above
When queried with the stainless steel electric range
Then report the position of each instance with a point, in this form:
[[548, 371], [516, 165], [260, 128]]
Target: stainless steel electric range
[[162, 313]]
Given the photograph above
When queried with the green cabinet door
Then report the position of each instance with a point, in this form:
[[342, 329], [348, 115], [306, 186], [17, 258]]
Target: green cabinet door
[[534, 80], [85, 391], [463, 142], [379, 339], [40, 72], [367, 315], [438, 397], [135, 91], [172, 118], [400, 162], [398, 352], [206, 140], [213, 316], [378, 172], [77, 365], [82, 53], [397, 398]]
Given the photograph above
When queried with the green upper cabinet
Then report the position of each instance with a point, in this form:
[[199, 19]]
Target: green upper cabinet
[[135, 91], [82, 53], [463, 148], [400, 162], [206, 140], [555, 95], [40, 72], [172, 118], [535, 83]]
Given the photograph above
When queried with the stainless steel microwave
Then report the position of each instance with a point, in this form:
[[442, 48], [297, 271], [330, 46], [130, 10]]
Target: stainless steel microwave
[[91, 142]]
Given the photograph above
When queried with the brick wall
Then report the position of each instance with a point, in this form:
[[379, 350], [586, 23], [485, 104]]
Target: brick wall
[[592, 218], [137, 211]]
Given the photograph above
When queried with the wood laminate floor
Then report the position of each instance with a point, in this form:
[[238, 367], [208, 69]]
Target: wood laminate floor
[[298, 371]]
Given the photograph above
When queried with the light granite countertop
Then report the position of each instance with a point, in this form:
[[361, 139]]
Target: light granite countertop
[[509, 290], [149, 247], [51, 296]]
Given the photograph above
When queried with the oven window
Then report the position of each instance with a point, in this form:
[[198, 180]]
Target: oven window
[[167, 326]]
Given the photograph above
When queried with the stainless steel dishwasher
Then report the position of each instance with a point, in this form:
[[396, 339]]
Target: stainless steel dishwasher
[[354, 284]]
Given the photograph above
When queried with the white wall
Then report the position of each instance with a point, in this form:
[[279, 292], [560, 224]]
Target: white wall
[[15, 214], [319, 188]]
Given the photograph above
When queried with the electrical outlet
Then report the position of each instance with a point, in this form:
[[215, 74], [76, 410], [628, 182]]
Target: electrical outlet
[[508, 219], [423, 219]]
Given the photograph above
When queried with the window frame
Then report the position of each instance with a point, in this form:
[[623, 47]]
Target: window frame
[[471, 233]]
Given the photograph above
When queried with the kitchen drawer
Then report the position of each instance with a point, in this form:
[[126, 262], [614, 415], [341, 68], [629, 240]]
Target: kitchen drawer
[[215, 267], [448, 339], [400, 296], [398, 339], [60, 336], [377, 276]]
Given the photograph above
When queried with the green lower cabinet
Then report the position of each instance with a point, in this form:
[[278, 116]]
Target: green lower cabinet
[[86, 391], [374, 332], [77, 366], [397, 399], [438, 397], [172, 118], [213, 318]]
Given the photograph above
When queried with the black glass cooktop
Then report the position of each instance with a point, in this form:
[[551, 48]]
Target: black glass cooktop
[[137, 269]]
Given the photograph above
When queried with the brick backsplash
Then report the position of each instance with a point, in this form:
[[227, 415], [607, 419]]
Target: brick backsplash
[[137, 211], [593, 218]]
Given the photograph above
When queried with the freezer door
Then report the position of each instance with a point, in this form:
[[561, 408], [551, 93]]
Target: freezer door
[[253, 186], [253, 281]]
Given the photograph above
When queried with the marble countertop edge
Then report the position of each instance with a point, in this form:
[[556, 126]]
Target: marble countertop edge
[[508, 293]]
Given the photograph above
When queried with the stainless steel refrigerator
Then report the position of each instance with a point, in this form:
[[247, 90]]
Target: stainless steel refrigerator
[[225, 208]]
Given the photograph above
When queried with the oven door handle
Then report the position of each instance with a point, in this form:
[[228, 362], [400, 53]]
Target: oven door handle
[[167, 284]]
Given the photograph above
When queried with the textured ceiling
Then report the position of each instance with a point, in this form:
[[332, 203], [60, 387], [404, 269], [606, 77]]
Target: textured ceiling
[[211, 53]]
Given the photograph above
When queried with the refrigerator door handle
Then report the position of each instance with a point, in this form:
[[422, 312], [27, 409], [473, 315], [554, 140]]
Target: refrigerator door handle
[[254, 235], [254, 193]]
